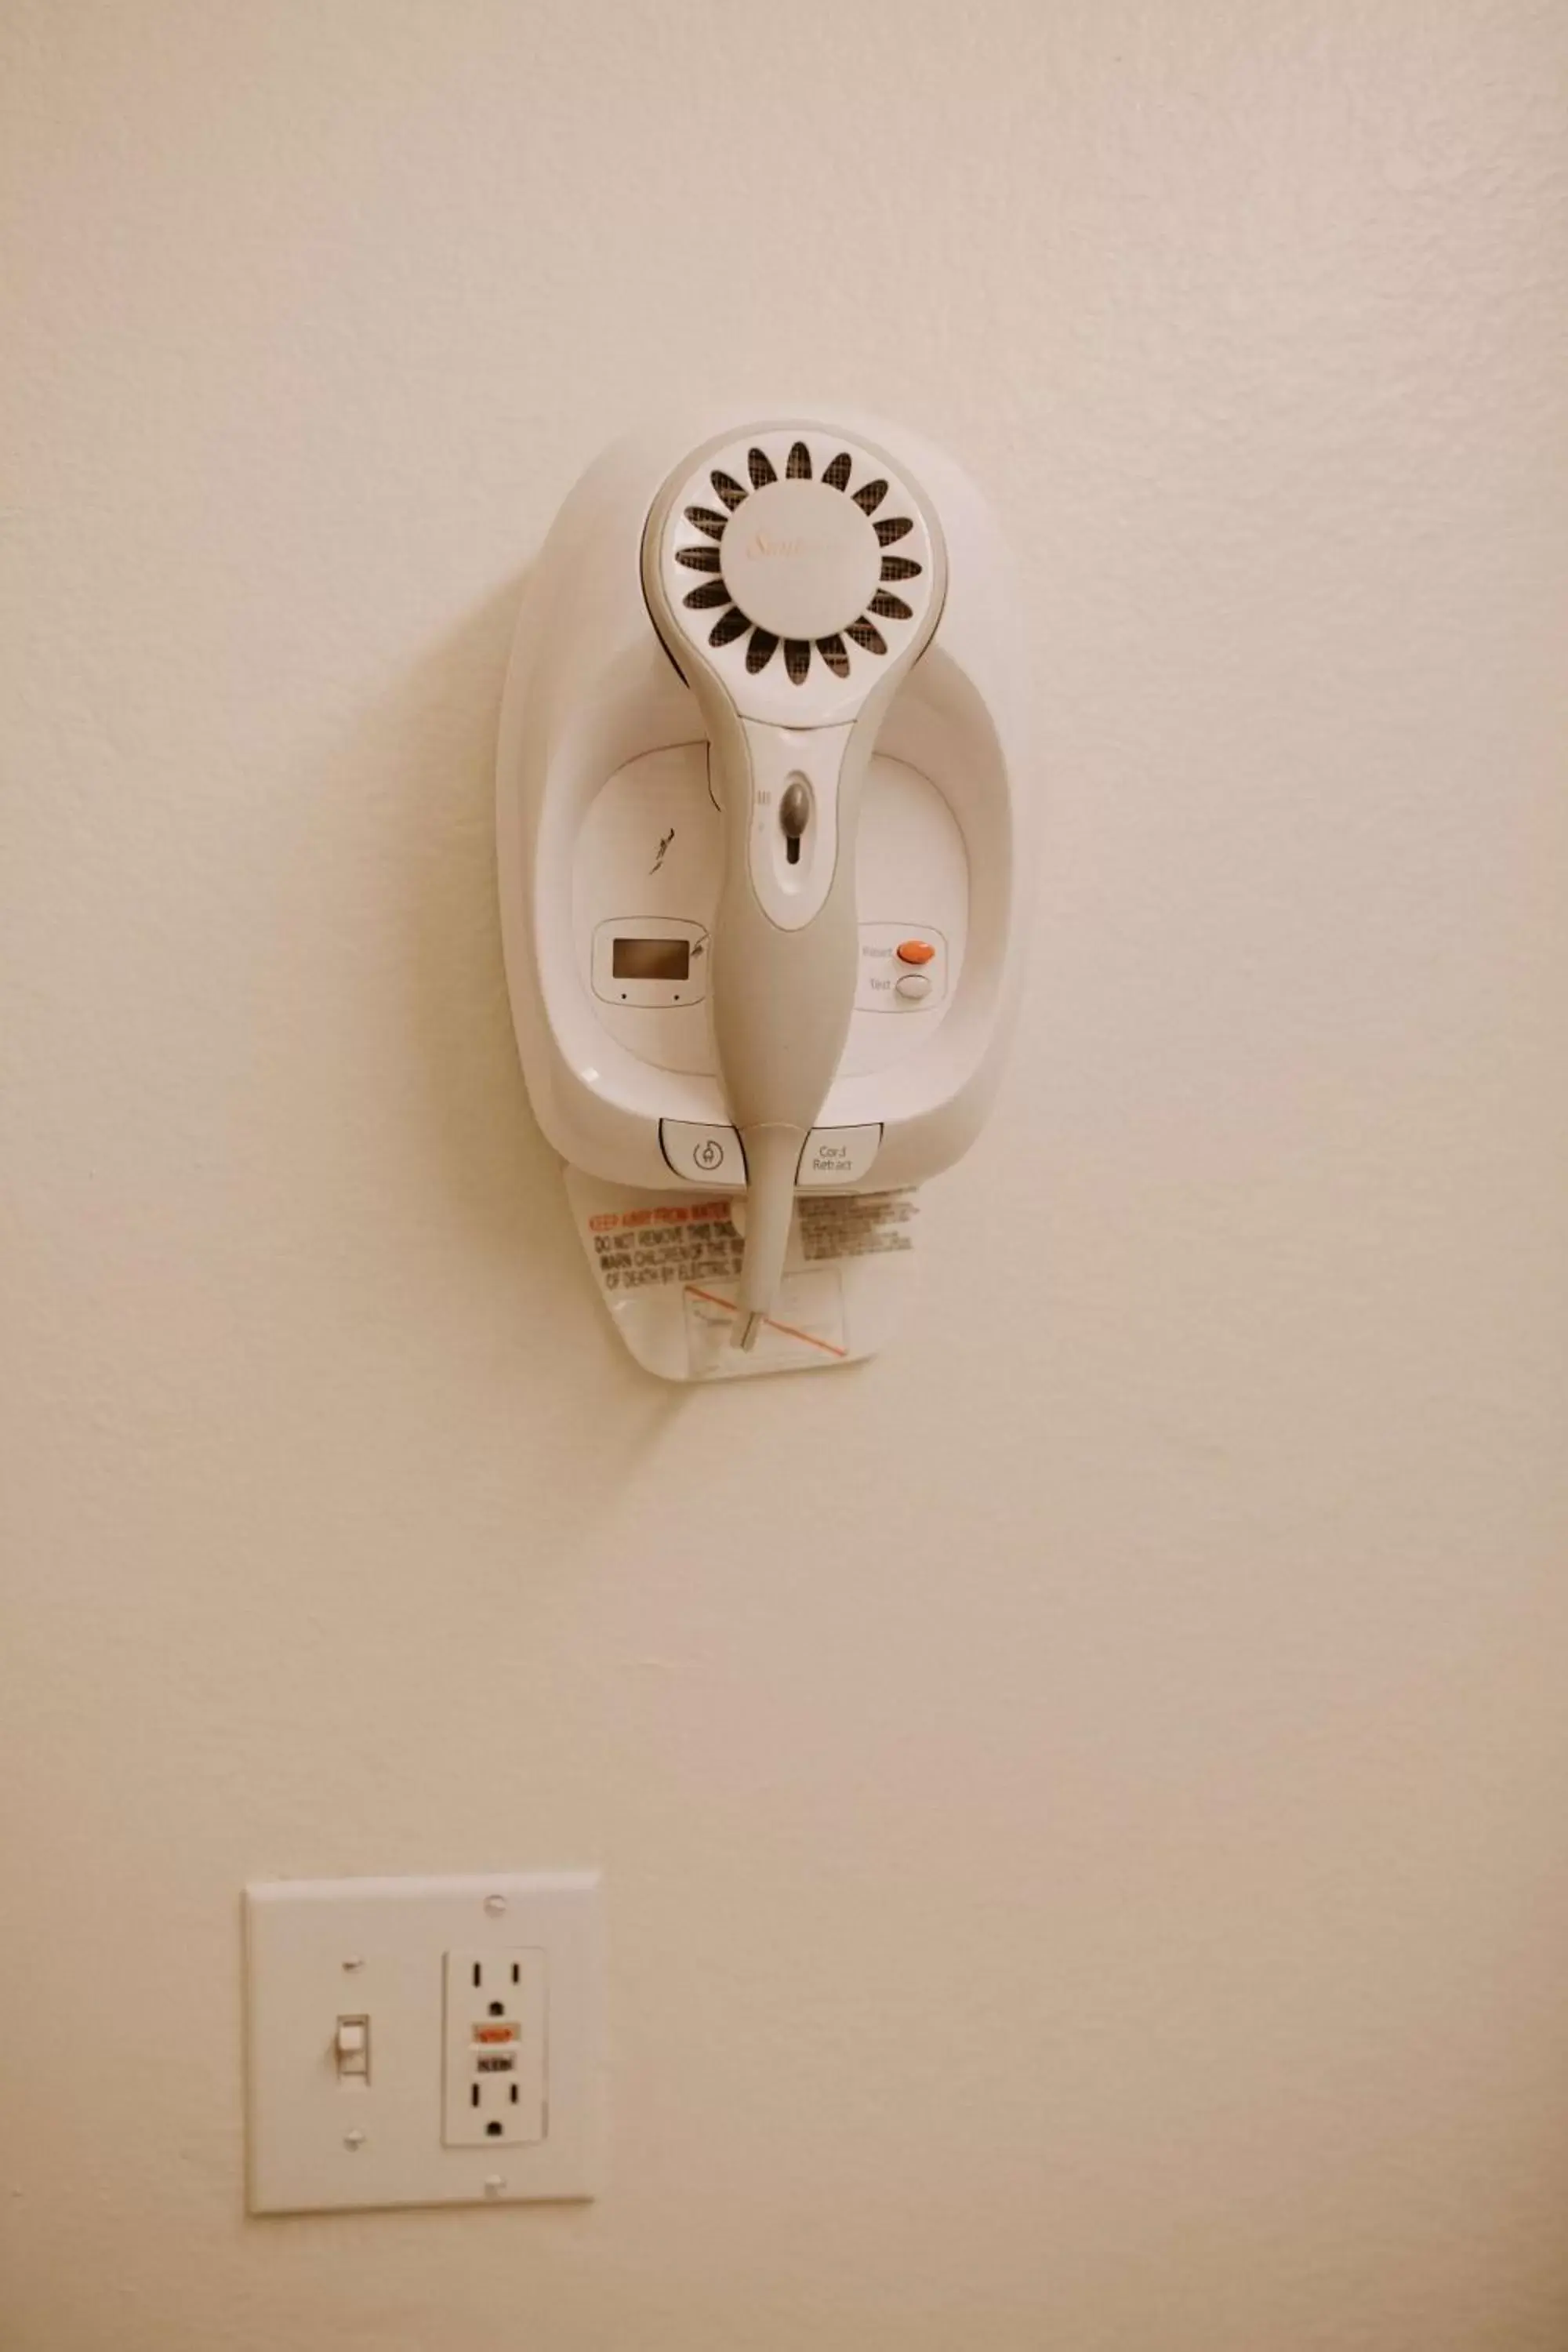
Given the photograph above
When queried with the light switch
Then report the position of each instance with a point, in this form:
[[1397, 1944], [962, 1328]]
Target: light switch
[[394, 2023], [352, 2043]]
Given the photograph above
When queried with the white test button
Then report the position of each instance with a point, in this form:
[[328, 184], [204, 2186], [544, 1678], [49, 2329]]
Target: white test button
[[913, 984], [836, 1155], [706, 1155]]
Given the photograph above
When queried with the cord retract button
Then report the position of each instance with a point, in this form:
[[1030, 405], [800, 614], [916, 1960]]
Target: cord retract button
[[836, 1155], [915, 952]]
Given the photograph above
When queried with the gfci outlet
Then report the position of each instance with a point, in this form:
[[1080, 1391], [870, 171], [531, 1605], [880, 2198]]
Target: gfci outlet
[[496, 2017], [424, 2040]]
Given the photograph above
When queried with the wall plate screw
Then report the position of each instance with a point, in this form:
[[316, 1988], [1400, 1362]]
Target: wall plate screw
[[494, 2184], [355, 2140], [495, 1904]]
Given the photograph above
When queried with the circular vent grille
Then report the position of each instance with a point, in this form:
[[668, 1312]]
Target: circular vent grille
[[717, 506]]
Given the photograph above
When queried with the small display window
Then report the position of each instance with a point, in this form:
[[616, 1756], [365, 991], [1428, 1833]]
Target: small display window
[[650, 963], [643, 958]]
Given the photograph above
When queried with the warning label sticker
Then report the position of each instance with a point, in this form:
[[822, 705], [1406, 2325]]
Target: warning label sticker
[[867, 1225], [661, 1259], [668, 1241]]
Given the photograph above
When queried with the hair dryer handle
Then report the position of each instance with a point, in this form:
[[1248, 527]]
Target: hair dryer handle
[[786, 956]]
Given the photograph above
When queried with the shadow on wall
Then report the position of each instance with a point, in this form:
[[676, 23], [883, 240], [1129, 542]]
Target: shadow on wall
[[437, 736], [430, 746]]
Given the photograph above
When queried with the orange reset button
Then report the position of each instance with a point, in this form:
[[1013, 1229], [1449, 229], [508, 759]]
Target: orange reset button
[[916, 952]]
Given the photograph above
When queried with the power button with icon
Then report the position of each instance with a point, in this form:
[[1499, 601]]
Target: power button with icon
[[704, 1155]]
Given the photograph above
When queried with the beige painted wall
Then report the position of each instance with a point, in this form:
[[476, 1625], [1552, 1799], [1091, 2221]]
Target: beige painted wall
[[1084, 1798]]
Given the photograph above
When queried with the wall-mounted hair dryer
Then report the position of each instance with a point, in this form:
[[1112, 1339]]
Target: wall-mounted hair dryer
[[759, 899], [812, 594]]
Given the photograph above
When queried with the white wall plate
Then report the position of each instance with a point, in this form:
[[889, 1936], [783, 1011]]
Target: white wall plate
[[358, 2039]]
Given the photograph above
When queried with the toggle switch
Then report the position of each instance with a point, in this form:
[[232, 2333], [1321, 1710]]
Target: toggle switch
[[350, 2047]]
